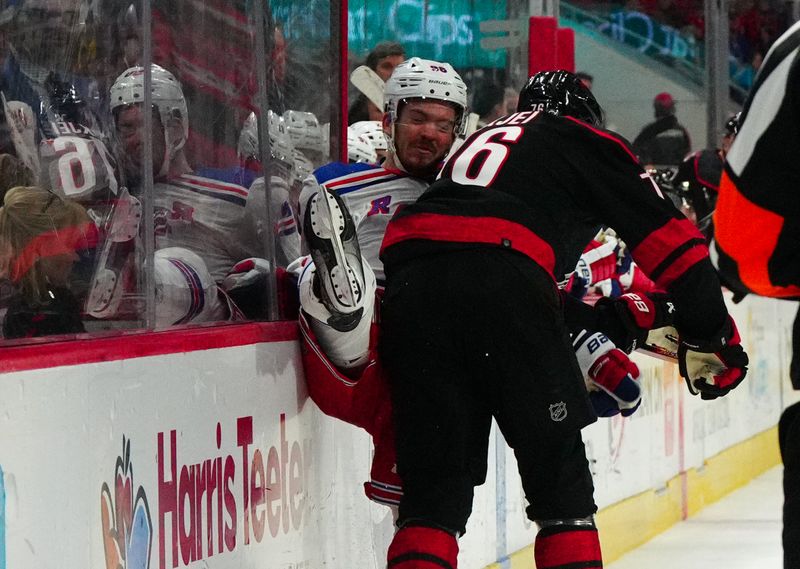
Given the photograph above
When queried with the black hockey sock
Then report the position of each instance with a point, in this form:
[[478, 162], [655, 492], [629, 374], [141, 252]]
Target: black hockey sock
[[567, 547], [420, 547]]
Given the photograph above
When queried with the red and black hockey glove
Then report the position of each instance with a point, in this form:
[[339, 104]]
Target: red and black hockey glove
[[715, 366], [611, 378], [627, 320]]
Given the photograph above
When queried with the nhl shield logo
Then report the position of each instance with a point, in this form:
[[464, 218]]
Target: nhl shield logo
[[558, 411]]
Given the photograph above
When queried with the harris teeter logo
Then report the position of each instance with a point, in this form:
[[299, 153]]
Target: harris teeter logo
[[125, 518]]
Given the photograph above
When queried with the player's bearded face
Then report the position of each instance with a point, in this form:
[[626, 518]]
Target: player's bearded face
[[130, 128], [424, 132]]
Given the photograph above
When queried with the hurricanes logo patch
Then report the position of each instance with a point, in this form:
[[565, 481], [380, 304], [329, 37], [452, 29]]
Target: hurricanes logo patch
[[558, 411]]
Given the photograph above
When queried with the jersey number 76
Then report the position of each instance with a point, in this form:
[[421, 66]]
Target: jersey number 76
[[479, 163]]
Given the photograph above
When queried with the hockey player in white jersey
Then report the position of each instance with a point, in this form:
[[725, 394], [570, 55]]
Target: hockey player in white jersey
[[281, 183], [425, 111], [426, 105], [194, 212]]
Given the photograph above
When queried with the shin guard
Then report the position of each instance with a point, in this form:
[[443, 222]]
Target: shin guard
[[420, 547], [567, 547]]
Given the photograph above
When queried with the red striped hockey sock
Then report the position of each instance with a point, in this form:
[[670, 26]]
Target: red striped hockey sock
[[567, 547], [420, 547]]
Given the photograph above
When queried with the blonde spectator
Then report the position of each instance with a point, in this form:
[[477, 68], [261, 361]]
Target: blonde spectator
[[40, 236]]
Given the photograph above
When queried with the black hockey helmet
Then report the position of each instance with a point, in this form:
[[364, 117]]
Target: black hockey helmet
[[560, 93], [63, 103]]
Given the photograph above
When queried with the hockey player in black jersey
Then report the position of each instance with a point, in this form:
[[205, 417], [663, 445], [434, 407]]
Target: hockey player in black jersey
[[510, 213]]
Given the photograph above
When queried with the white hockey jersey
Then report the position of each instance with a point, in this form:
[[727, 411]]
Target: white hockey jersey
[[204, 216], [372, 194], [253, 230]]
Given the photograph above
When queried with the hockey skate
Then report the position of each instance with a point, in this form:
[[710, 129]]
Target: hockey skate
[[331, 236]]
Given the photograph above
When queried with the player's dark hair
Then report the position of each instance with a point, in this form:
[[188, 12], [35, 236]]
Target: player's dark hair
[[381, 50]]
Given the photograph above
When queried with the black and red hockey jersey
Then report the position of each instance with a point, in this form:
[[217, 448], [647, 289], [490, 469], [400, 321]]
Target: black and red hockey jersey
[[757, 219], [542, 186]]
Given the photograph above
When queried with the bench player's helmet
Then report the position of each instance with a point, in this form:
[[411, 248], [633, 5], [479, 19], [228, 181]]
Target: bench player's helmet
[[372, 131], [359, 148], [167, 98], [560, 93]]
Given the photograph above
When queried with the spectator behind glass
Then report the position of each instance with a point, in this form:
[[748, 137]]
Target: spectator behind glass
[[489, 103], [756, 27], [40, 235], [512, 97], [745, 75], [383, 58], [663, 142]]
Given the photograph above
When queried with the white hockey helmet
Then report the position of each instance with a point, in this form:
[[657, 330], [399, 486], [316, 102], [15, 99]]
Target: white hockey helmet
[[372, 131], [302, 165], [185, 290], [166, 94], [418, 78], [280, 145], [359, 148], [304, 130]]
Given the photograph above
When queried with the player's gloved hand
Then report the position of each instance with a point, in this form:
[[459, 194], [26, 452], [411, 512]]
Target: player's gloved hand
[[246, 273], [715, 366], [611, 378], [627, 320], [596, 269]]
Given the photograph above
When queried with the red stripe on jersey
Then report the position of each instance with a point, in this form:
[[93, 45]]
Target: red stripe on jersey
[[682, 264], [353, 179], [606, 135], [213, 185], [462, 229], [657, 246], [579, 548], [714, 186]]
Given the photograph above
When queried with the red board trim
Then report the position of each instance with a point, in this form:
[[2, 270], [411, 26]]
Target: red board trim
[[86, 349]]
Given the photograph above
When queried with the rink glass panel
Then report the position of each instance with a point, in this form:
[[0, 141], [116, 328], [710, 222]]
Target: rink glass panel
[[137, 228], [442, 30]]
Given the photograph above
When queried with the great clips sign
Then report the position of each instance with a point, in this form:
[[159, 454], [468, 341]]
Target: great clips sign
[[444, 30]]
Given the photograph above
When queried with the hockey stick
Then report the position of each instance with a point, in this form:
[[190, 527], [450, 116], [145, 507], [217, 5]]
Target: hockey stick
[[662, 343], [472, 124], [22, 131], [369, 83]]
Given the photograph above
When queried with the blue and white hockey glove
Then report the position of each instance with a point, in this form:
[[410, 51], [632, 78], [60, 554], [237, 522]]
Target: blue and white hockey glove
[[611, 378]]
